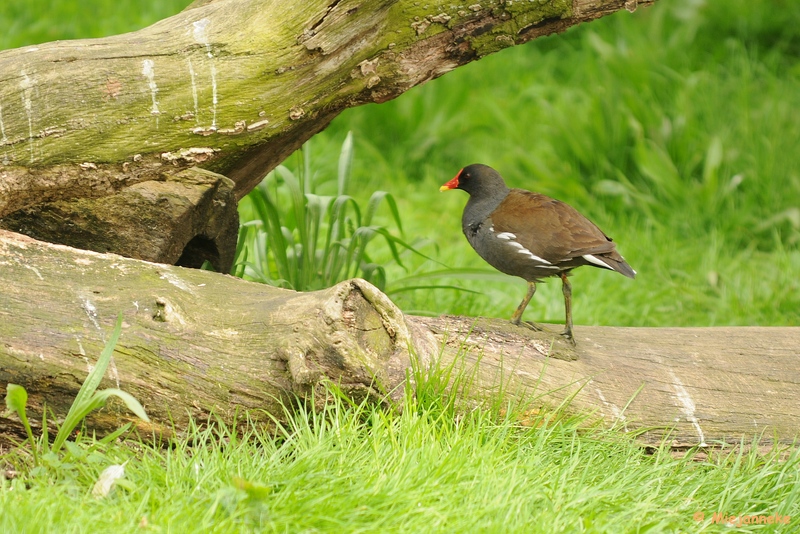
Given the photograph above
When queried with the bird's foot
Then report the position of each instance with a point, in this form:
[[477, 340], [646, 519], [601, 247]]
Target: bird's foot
[[528, 324], [567, 334]]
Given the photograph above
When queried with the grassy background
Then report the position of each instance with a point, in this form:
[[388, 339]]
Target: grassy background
[[431, 469], [675, 129]]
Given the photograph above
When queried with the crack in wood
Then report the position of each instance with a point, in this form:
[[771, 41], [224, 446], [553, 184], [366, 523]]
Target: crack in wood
[[540, 24], [311, 31]]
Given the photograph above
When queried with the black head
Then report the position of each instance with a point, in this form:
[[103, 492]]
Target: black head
[[478, 180]]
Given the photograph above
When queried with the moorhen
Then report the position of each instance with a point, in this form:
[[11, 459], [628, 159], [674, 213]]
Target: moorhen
[[530, 235]]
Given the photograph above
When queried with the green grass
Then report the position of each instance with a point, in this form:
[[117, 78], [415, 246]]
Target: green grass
[[295, 236], [675, 129], [357, 468], [40, 21]]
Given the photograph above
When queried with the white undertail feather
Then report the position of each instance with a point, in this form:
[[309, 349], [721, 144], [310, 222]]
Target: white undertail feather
[[597, 261]]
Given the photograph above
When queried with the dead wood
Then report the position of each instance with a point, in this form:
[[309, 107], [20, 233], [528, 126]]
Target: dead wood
[[194, 342]]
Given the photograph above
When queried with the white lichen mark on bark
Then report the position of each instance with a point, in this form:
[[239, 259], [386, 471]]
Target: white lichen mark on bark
[[194, 91], [3, 139], [687, 405], [176, 281], [91, 311], [82, 352], [35, 270], [114, 372], [199, 34], [615, 411], [27, 88], [213, 96], [148, 71], [200, 37]]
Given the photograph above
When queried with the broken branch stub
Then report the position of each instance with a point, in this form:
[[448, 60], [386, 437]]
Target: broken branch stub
[[184, 218]]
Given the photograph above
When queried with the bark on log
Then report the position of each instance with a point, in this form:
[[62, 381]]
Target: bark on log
[[187, 218], [195, 341], [232, 86]]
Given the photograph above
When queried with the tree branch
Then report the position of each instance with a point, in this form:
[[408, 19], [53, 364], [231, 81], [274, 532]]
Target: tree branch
[[233, 86]]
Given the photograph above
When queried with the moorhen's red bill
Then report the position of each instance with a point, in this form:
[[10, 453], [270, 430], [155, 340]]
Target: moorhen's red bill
[[530, 235]]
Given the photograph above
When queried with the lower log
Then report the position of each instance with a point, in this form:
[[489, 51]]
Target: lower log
[[195, 342], [694, 386], [192, 341]]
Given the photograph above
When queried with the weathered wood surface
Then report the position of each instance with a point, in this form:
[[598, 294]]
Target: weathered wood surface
[[698, 385], [192, 341], [195, 341], [186, 218]]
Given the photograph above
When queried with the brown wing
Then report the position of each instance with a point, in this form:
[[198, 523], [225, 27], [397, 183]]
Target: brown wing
[[555, 231]]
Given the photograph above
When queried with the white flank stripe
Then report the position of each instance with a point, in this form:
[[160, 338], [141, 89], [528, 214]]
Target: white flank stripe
[[533, 256], [508, 237], [597, 261]]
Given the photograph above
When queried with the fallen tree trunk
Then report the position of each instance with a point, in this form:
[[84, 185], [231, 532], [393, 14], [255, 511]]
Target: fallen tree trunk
[[194, 342], [230, 86]]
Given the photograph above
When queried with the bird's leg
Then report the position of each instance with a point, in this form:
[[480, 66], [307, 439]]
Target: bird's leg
[[566, 288], [517, 317]]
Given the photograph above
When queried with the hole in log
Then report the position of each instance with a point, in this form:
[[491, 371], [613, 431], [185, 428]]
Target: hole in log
[[198, 250]]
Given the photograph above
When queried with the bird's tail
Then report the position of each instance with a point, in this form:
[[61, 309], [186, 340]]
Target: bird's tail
[[618, 263]]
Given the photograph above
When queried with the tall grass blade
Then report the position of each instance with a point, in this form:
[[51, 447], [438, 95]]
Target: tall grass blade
[[88, 399], [345, 164]]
